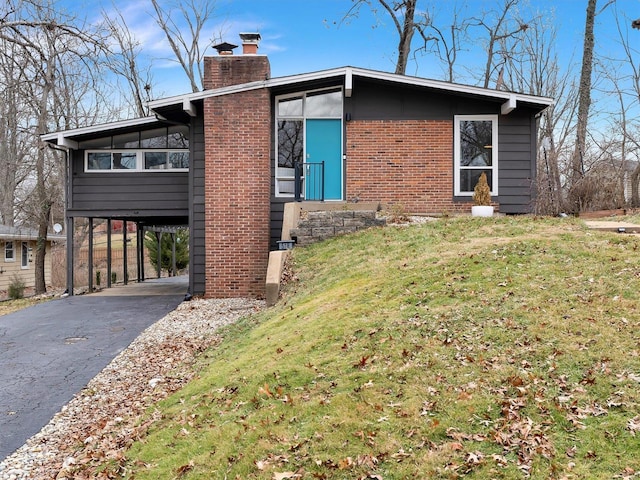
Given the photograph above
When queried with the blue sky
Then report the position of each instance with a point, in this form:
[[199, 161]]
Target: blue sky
[[308, 35]]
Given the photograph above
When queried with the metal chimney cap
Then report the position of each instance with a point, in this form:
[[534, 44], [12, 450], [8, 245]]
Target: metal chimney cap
[[250, 37], [225, 47]]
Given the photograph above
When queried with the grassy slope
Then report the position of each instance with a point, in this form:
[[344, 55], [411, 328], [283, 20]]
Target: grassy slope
[[480, 348]]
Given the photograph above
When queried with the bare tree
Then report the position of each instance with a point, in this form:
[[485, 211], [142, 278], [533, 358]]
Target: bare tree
[[14, 140], [406, 22], [536, 69], [447, 41], [124, 61], [626, 88], [578, 188], [45, 44], [499, 26], [577, 164], [187, 44]]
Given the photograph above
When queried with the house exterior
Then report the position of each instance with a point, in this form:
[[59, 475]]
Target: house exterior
[[17, 250], [226, 160]]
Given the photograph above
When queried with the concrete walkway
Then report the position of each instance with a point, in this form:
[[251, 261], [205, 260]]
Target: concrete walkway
[[612, 226], [50, 351]]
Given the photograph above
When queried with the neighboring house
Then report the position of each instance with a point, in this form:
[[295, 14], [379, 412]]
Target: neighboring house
[[225, 160], [17, 251]]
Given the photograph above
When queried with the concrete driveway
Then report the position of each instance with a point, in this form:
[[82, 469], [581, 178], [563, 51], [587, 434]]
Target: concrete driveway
[[50, 351]]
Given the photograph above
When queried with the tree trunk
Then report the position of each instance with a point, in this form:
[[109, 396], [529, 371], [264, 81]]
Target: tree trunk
[[41, 251], [43, 208], [406, 35], [584, 103], [44, 214]]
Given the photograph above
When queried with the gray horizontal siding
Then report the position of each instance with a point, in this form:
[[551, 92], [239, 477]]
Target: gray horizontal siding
[[197, 259], [516, 161], [172, 185], [514, 147], [122, 194]]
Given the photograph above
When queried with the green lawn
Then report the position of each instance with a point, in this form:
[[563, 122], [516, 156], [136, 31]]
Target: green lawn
[[477, 348]]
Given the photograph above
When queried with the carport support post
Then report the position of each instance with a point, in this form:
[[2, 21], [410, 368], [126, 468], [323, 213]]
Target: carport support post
[[142, 233], [138, 255], [173, 254], [124, 252], [70, 262], [159, 256], [90, 255], [108, 253]]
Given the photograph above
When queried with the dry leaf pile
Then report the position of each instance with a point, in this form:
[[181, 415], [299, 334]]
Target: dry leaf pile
[[87, 438]]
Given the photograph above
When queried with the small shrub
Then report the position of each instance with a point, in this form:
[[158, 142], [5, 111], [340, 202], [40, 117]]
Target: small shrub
[[16, 288], [98, 277], [481, 192], [114, 277], [397, 214]]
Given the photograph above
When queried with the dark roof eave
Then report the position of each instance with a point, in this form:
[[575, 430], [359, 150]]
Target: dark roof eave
[[348, 73]]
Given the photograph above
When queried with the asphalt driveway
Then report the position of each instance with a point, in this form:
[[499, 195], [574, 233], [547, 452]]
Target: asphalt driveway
[[50, 351]]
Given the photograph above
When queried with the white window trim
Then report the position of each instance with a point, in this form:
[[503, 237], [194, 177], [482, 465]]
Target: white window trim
[[13, 249], [302, 117], [139, 160], [24, 245], [456, 152]]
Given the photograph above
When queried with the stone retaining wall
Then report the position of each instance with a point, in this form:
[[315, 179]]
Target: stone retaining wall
[[320, 225]]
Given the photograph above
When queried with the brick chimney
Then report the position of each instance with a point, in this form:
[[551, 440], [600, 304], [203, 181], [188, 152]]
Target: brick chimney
[[237, 172], [228, 69], [250, 43]]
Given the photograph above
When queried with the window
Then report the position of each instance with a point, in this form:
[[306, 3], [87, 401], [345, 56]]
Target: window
[[25, 255], [124, 160], [290, 150], [9, 254], [164, 148], [292, 112], [136, 160], [155, 160], [475, 151], [173, 137]]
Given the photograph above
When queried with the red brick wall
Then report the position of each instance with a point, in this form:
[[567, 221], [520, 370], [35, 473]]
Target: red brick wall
[[226, 70], [237, 191], [237, 180], [408, 163]]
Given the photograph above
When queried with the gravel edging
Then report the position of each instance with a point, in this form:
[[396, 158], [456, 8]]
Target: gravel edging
[[94, 429]]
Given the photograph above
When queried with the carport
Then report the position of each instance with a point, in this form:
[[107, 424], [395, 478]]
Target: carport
[[141, 228], [134, 171]]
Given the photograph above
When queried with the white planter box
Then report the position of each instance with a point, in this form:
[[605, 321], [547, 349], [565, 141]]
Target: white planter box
[[482, 211]]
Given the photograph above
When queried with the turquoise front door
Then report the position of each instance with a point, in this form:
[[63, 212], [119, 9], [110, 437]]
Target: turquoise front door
[[324, 146]]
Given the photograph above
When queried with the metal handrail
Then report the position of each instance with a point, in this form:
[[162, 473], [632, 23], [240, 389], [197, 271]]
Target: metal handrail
[[303, 173]]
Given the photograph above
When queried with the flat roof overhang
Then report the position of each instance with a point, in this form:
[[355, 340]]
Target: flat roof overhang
[[71, 138]]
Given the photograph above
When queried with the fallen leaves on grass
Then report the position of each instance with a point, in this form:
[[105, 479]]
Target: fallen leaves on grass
[[88, 438], [633, 425]]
